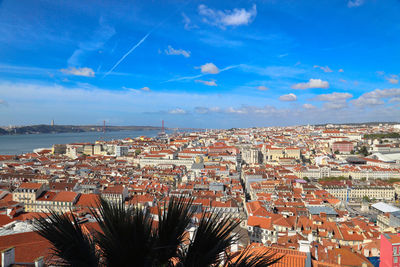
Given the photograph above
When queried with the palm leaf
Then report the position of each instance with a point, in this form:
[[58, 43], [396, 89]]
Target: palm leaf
[[70, 243], [248, 259], [212, 238], [172, 224], [125, 236]]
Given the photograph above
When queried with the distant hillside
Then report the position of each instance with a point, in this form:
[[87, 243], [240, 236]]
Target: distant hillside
[[42, 128], [372, 123]]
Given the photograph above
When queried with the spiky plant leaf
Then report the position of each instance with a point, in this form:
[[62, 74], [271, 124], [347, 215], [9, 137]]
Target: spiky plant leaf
[[246, 258], [70, 243], [173, 221], [125, 238], [212, 238]]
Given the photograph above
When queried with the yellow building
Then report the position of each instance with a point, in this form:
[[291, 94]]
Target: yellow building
[[27, 193]]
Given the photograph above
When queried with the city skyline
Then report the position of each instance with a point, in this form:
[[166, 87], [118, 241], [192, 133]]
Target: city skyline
[[200, 63]]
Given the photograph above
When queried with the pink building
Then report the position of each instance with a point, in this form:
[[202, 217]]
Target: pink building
[[342, 146], [390, 250]]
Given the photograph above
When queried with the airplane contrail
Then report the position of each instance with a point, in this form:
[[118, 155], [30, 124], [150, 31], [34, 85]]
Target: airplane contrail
[[127, 54], [143, 39]]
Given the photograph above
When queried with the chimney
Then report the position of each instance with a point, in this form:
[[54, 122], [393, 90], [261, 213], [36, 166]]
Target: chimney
[[8, 257], [339, 259]]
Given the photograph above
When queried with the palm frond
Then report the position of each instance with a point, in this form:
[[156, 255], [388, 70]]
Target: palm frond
[[212, 238], [70, 243], [173, 221], [125, 234], [247, 258]]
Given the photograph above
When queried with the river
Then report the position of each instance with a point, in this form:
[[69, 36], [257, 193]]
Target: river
[[24, 143]]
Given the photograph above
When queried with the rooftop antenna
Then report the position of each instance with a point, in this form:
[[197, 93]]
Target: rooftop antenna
[[104, 126]]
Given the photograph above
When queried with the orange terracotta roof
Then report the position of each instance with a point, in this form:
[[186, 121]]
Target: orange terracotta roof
[[292, 258], [88, 200], [262, 222], [30, 186], [65, 196], [28, 246]]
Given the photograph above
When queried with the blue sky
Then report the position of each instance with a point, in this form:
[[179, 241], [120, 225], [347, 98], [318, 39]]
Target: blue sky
[[211, 64]]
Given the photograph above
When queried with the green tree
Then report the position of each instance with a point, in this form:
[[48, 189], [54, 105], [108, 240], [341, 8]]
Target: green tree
[[366, 199], [129, 236], [364, 151]]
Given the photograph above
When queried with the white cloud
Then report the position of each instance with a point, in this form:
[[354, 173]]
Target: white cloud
[[264, 111], [95, 42], [171, 51], [335, 105], [312, 83], [209, 68], [325, 69], [334, 100], [334, 97], [393, 80], [308, 106], [366, 101], [137, 91], [236, 110], [235, 17], [86, 72], [394, 99], [205, 110], [288, 97], [262, 88], [209, 83], [187, 22], [177, 111], [380, 72], [355, 3], [376, 97]]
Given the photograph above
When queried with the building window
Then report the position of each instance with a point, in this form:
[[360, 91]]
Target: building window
[[394, 250], [395, 259]]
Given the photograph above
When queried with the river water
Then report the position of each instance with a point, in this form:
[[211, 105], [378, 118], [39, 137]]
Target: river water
[[24, 143]]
